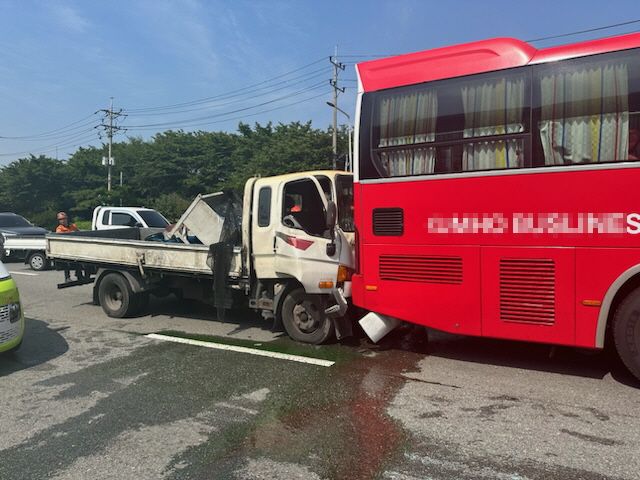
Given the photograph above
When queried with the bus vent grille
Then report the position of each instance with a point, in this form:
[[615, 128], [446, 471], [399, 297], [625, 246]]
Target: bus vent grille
[[528, 290], [388, 222], [421, 268]]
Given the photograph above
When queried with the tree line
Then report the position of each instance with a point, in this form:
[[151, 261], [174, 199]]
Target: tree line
[[164, 172]]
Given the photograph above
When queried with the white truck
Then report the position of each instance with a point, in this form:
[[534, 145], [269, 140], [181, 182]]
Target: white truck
[[287, 251], [30, 248], [107, 218]]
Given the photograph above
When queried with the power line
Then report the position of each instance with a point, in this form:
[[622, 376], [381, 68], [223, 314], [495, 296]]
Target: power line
[[606, 27], [302, 79], [241, 117], [207, 117], [50, 148], [207, 99], [51, 132]]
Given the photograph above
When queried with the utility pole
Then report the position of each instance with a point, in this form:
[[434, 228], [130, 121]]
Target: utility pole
[[109, 128], [337, 66]]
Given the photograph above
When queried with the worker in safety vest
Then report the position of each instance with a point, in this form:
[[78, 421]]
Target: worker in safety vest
[[65, 227]]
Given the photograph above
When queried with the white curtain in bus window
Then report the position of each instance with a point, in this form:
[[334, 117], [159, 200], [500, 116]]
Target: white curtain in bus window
[[493, 107], [585, 115], [407, 119]]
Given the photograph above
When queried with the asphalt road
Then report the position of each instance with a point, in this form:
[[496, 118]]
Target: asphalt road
[[92, 397]]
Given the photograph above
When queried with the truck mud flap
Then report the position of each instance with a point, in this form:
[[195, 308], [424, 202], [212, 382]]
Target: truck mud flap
[[75, 283]]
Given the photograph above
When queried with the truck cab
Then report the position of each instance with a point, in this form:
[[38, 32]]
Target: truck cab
[[301, 238]]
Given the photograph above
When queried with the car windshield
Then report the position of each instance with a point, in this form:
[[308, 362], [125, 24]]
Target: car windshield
[[13, 221], [153, 219]]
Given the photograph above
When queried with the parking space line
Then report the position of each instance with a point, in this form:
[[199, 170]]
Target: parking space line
[[24, 273], [251, 351]]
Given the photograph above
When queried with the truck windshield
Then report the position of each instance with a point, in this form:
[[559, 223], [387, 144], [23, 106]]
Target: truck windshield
[[13, 221], [153, 219], [344, 187]]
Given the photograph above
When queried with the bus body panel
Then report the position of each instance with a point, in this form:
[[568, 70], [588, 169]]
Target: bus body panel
[[473, 307], [542, 241]]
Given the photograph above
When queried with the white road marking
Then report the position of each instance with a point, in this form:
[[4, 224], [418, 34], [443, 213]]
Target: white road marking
[[251, 351], [24, 273]]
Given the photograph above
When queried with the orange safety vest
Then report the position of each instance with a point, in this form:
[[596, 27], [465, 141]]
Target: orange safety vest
[[62, 229]]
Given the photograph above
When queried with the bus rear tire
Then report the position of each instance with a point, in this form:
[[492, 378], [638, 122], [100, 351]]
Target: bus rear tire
[[116, 296], [304, 319], [626, 332]]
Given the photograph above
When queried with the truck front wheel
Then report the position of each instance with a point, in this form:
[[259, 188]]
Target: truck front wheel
[[38, 261], [304, 319], [626, 332], [116, 296]]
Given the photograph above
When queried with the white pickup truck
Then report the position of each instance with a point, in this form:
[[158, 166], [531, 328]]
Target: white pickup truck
[[286, 250], [31, 247], [107, 218]]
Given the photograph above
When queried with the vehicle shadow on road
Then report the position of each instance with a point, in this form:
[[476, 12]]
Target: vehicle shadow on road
[[528, 356], [41, 344], [242, 318]]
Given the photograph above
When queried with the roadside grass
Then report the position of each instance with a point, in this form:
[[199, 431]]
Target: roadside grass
[[83, 224]]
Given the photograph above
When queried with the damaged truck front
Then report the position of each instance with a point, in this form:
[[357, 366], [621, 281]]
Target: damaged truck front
[[286, 250]]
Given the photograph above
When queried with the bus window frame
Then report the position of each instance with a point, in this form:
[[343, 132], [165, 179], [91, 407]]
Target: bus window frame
[[532, 135]]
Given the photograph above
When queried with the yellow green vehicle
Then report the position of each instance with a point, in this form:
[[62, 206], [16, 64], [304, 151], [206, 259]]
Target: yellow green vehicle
[[11, 316]]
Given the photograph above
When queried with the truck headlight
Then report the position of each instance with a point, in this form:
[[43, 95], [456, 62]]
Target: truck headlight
[[14, 312]]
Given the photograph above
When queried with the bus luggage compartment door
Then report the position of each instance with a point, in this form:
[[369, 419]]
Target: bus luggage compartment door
[[529, 294]]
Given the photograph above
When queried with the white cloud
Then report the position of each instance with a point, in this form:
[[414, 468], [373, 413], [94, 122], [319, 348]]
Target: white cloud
[[69, 18]]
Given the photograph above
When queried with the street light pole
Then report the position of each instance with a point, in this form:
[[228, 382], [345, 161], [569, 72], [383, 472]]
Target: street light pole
[[349, 130], [334, 83]]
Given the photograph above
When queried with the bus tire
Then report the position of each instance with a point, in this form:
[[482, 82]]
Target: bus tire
[[37, 261], [304, 319], [116, 297], [626, 332]]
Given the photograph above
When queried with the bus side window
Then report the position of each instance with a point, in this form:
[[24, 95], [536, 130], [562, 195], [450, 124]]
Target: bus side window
[[587, 109]]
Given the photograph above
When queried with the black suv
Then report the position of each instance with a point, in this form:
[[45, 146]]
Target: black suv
[[15, 224]]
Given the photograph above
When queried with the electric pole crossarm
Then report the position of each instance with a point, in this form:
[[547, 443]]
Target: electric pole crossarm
[[110, 128]]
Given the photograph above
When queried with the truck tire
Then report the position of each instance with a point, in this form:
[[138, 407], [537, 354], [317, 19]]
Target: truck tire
[[116, 297], [37, 261], [304, 319], [626, 332]]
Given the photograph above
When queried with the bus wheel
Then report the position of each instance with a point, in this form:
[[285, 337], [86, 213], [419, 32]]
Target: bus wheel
[[304, 319], [116, 296], [626, 332], [38, 261]]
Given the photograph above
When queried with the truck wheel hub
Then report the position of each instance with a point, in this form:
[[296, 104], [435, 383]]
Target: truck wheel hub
[[304, 319]]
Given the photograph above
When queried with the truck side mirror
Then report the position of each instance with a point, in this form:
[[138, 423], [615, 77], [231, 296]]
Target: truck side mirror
[[332, 213]]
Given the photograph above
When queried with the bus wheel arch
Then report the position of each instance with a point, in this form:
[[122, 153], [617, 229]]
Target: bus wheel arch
[[625, 331], [626, 283]]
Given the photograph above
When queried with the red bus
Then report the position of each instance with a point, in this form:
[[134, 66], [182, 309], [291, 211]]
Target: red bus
[[497, 191]]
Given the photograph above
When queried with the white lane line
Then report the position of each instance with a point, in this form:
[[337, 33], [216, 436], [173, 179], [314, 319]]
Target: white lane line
[[24, 273], [251, 351]]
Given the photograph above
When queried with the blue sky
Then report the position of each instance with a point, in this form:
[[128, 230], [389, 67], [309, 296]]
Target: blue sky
[[62, 60]]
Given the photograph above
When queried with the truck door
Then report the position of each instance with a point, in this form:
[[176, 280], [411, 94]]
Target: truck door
[[263, 223], [301, 236]]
